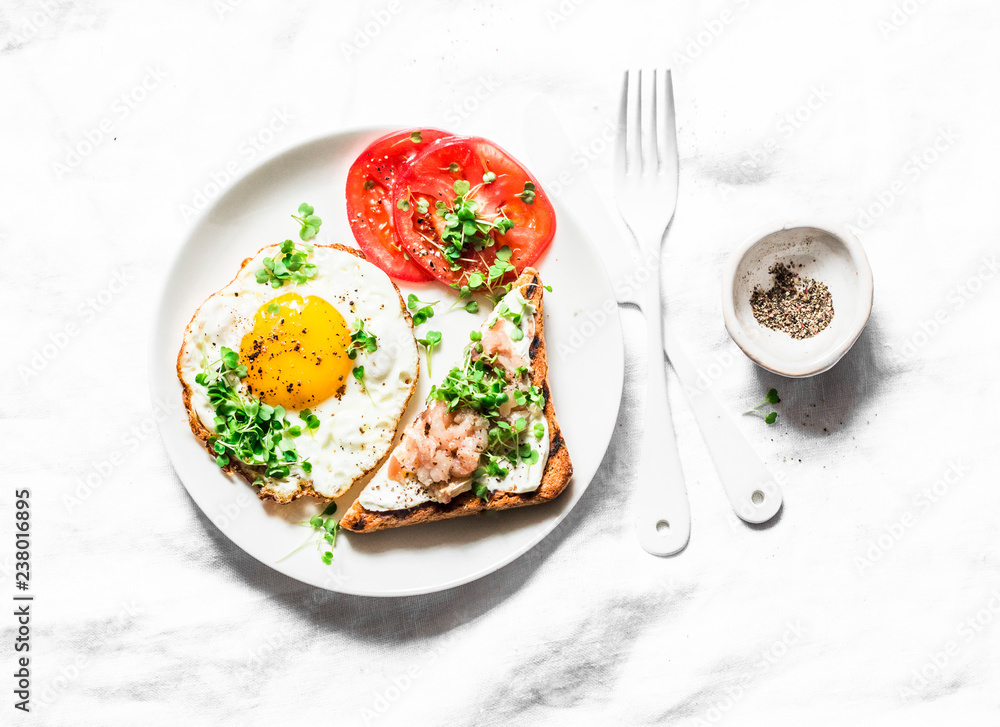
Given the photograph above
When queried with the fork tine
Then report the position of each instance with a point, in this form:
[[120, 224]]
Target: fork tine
[[633, 124], [647, 120], [621, 139], [667, 127]]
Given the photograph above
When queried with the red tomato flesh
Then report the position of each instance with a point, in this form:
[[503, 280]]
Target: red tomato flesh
[[431, 176], [369, 199]]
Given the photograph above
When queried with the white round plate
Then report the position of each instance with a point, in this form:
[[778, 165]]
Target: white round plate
[[586, 369]]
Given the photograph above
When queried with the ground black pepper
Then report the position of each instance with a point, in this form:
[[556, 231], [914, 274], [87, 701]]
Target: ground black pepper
[[800, 307]]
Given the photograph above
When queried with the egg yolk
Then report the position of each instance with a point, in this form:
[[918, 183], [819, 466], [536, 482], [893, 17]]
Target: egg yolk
[[296, 354]]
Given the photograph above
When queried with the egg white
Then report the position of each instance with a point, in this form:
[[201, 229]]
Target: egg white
[[355, 432]]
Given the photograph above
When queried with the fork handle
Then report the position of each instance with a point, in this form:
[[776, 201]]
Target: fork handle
[[663, 515]]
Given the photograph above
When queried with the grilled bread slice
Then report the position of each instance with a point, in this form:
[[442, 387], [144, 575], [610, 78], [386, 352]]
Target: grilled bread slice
[[558, 467]]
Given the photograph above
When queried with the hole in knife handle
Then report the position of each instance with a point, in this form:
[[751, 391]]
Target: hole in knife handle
[[757, 497], [662, 527]]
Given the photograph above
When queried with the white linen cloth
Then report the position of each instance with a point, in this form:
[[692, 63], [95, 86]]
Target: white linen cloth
[[874, 599]]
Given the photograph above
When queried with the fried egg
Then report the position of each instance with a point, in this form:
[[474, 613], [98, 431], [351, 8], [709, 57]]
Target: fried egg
[[296, 343]]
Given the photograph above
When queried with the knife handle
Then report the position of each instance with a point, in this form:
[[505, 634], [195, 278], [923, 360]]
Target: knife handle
[[751, 489]]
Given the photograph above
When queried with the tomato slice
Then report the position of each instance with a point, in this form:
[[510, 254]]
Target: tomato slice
[[429, 180], [369, 199]]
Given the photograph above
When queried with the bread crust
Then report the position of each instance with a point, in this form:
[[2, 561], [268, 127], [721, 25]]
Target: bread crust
[[235, 467], [558, 468]]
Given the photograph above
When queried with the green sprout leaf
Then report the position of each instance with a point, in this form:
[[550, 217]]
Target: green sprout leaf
[[292, 262], [362, 340], [770, 398], [528, 194], [416, 137], [431, 341], [308, 222]]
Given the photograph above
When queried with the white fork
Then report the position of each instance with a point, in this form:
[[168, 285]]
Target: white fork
[[646, 176]]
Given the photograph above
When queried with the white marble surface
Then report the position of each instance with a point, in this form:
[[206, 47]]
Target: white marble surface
[[883, 564]]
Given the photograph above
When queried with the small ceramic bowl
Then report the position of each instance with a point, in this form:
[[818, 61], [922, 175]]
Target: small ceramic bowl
[[829, 255]]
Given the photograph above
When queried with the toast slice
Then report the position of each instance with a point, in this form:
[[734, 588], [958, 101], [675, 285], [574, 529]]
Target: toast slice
[[555, 476]]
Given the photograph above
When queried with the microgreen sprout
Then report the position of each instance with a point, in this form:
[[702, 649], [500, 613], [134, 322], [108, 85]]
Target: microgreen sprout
[[453, 167], [362, 341], [416, 137], [481, 491], [528, 195], [430, 342], [481, 385], [491, 283], [289, 265], [768, 417], [359, 373], [310, 419], [246, 428], [310, 223], [422, 310], [327, 527], [466, 229]]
